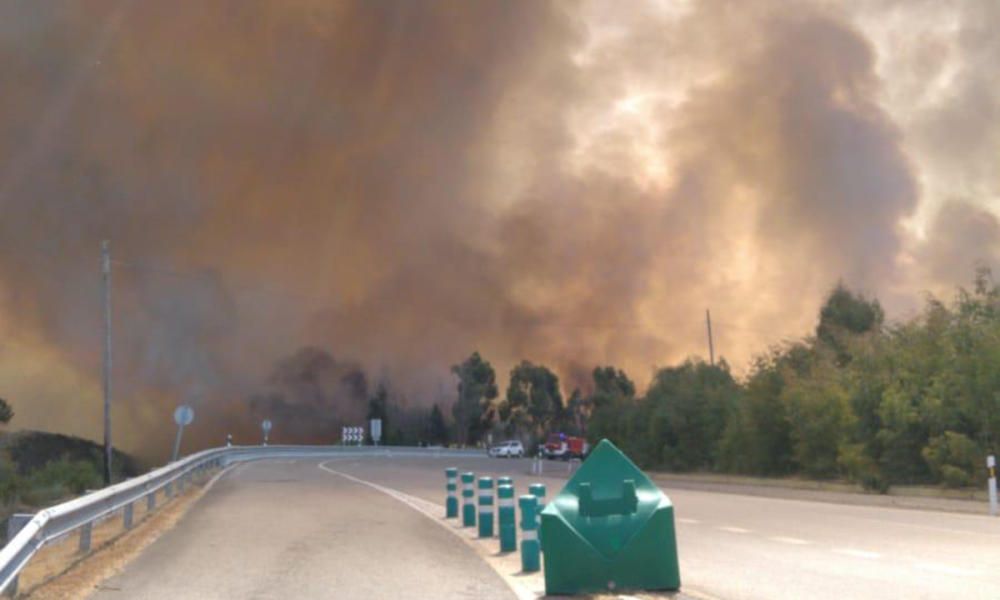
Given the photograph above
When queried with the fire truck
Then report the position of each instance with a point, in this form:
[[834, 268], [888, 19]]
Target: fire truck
[[560, 445]]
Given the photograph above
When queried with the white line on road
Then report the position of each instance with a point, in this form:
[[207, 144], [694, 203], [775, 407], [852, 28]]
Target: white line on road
[[789, 540], [732, 529], [688, 521], [857, 553], [946, 569]]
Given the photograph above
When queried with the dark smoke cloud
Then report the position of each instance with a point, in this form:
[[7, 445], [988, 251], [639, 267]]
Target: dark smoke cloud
[[311, 395], [403, 183]]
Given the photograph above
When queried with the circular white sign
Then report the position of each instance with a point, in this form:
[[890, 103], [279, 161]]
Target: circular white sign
[[266, 425], [183, 415]]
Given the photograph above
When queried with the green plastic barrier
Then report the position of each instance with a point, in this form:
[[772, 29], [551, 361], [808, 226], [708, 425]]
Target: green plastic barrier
[[468, 500], [506, 518], [451, 486], [485, 507], [610, 528]]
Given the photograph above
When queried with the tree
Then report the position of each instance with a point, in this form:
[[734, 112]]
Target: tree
[[437, 429], [477, 389], [845, 313], [534, 402], [6, 412], [611, 403], [689, 406]]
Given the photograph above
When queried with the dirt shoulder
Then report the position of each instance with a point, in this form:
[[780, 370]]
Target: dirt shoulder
[[59, 571]]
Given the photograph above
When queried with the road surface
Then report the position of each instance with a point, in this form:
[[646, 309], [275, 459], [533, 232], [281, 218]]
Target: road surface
[[297, 529]]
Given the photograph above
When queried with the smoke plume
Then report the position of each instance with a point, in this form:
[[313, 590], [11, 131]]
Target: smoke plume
[[400, 183]]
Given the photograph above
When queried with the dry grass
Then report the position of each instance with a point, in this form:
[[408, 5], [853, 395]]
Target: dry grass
[[60, 571]]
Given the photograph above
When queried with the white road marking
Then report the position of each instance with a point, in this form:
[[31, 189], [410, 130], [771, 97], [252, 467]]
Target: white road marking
[[688, 521], [857, 553], [789, 540], [732, 529], [946, 569]]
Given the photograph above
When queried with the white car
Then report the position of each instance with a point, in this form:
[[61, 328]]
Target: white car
[[511, 449]]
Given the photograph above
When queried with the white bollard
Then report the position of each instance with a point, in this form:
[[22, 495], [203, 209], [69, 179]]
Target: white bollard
[[991, 464]]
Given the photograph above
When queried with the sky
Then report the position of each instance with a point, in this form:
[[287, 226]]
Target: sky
[[399, 184]]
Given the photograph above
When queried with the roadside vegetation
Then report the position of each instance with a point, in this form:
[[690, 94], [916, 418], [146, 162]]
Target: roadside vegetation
[[915, 402], [41, 469]]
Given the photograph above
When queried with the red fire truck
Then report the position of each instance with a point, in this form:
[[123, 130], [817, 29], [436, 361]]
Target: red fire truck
[[560, 445]]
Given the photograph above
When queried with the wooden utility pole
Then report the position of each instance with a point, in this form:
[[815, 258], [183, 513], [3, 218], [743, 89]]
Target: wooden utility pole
[[106, 275], [711, 347]]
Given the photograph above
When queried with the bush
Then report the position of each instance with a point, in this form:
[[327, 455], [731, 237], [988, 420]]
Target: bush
[[59, 479], [954, 477], [953, 458], [9, 482]]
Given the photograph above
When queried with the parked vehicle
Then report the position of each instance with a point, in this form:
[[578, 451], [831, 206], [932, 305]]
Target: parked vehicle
[[509, 449], [560, 445]]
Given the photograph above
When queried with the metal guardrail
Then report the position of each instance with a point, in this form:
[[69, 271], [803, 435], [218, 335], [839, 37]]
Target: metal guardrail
[[57, 521]]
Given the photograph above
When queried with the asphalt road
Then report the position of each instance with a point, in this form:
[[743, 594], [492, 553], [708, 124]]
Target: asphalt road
[[278, 530], [286, 529]]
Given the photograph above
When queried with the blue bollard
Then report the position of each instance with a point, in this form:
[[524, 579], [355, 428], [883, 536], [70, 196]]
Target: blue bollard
[[530, 548], [507, 518], [468, 504], [485, 507], [451, 504]]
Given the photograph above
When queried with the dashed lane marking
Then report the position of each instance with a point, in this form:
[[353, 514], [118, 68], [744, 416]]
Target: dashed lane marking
[[789, 540], [732, 529], [688, 521], [857, 553]]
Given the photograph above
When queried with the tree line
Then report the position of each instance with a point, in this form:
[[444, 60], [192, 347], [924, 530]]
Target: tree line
[[861, 399]]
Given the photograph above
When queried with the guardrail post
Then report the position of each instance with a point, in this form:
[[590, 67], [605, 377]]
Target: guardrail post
[[506, 517], [15, 523], [151, 501], [485, 507], [127, 516], [530, 548], [451, 503], [468, 504], [85, 534], [169, 489]]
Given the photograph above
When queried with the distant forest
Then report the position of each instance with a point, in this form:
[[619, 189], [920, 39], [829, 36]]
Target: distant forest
[[861, 399]]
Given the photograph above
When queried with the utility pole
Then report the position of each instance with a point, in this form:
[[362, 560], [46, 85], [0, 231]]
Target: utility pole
[[106, 273], [711, 347]]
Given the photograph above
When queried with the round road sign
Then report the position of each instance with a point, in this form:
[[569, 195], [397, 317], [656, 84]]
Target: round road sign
[[266, 425], [183, 415]]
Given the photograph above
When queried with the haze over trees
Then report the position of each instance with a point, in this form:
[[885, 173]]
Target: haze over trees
[[877, 403], [6, 412]]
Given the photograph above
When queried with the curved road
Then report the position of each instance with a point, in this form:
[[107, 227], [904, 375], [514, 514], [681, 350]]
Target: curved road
[[297, 529], [285, 529]]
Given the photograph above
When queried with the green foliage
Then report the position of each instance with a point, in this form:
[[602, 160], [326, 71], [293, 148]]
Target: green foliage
[[477, 389], [914, 402], [689, 406], [10, 482], [953, 458], [59, 479], [534, 402], [844, 314], [6, 412], [437, 429]]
